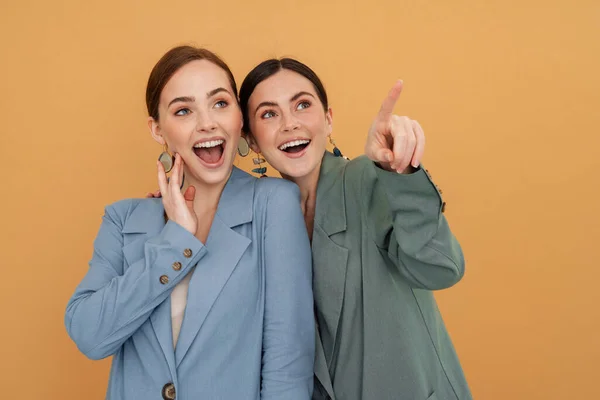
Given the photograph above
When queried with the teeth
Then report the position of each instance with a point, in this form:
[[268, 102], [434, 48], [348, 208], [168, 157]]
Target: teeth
[[212, 143], [293, 143]]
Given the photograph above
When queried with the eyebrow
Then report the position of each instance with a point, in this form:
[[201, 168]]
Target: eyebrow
[[191, 99], [182, 99], [300, 94], [293, 98], [215, 91]]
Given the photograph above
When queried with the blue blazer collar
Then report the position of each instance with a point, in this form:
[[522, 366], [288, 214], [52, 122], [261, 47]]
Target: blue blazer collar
[[235, 206]]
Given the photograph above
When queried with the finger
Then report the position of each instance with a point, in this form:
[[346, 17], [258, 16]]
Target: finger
[[398, 131], [189, 195], [162, 178], [387, 107], [181, 167], [384, 155], [410, 145], [157, 194], [420, 147], [174, 182]]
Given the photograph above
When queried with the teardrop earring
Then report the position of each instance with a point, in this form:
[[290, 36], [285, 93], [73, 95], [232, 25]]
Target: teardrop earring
[[258, 160], [336, 151]]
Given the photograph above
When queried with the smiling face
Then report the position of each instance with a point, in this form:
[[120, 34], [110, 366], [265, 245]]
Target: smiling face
[[200, 119], [288, 123]]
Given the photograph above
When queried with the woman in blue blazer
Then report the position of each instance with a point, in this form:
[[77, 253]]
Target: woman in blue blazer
[[206, 292]]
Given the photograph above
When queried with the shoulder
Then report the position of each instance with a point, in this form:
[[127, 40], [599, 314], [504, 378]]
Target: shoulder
[[121, 210], [267, 188], [276, 195], [358, 166]]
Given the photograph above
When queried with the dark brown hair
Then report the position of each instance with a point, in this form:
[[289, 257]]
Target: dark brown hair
[[170, 63], [269, 68]]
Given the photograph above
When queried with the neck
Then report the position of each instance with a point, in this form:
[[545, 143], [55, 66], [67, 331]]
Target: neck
[[308, 195], [207, 195]]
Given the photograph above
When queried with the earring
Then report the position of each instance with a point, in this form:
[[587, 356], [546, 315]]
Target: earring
[[258, 160], [336, 151], [243, 147], [166, 159]]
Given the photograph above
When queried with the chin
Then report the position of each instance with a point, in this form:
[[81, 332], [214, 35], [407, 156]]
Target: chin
[[212, 178], [299, 168]]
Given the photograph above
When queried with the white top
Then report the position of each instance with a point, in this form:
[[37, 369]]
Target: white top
[[178, 303]]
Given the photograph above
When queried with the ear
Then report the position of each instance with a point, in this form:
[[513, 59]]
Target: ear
[[329, 120], [252, 143], [155, 131]]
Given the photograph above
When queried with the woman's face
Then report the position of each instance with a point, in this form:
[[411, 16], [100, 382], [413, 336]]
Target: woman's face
[[200, 119], [288, 124]]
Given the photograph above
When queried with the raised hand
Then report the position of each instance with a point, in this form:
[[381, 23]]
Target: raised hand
[[179, 207], [394, 142]]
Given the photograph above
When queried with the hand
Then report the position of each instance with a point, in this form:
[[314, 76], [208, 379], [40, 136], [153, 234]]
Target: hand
[[153, 195], [396, 143], [179, 207]]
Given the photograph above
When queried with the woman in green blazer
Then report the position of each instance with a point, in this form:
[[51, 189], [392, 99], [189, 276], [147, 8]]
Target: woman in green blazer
[[380, 241]]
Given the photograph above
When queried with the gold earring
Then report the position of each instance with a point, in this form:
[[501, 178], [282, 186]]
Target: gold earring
[[243, 147], [166, 159]]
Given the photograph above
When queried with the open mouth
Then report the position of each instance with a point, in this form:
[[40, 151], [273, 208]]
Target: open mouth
[[295, 146], [211, 152]]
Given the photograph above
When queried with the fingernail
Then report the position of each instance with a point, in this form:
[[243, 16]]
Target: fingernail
[[415, 164]]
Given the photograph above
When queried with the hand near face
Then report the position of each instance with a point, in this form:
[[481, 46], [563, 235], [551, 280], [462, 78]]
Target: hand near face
[[396, 143], [179, 207]]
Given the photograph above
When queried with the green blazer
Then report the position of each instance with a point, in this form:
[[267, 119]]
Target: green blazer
[[381, 245]]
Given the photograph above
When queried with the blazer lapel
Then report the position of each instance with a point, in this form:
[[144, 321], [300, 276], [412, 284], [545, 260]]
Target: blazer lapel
[[329, 262], [224, 249], [145, 221]]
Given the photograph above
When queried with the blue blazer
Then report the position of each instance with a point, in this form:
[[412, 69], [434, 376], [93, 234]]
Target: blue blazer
[[248, 330]]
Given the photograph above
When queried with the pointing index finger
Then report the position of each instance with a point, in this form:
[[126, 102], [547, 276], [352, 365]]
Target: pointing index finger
[[387, 107]]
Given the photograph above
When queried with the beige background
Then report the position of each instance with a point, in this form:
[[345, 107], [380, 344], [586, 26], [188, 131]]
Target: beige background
[[508, 95]]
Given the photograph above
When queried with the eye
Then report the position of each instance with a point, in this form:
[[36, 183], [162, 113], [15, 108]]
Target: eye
[[182, 111], [221, 104], [302, 105], [267, 114]]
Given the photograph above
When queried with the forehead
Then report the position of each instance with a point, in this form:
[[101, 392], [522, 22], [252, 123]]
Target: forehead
[[282, 86], [194, 79]]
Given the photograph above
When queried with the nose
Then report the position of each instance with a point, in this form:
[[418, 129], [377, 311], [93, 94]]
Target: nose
[[205, 122], [290, 123]]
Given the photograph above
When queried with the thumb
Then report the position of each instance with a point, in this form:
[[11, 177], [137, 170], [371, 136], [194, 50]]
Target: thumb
[[189, 195], [384, 155]]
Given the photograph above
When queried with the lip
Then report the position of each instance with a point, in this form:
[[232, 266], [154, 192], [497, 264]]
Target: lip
[[298, 154], [292, 140], [209, 140], [221, 160]]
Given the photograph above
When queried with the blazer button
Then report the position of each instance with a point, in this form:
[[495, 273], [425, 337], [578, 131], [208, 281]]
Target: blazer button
[[168, 392], [176, 265], [164, 279], [187, 253], [443, 206]]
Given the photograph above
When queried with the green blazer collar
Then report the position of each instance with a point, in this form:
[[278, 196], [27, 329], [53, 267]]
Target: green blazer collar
[[331, 203]]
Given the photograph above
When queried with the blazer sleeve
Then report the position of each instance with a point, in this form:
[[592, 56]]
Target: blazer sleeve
[[109, 306], [406, 221], [289, 329]]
